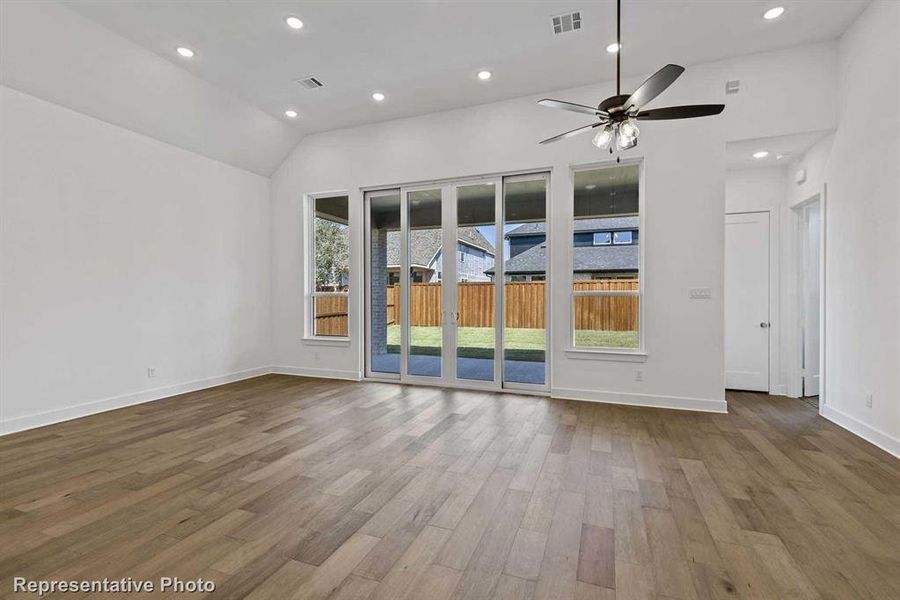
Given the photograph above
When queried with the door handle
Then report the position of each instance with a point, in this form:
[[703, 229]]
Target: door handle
[[765, 324]]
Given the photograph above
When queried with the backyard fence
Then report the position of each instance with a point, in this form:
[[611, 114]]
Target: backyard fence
[[524, 305], [331, 315]]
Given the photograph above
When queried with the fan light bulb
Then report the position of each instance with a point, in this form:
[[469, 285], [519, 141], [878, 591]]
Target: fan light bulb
[[627, 135], [603, 138]]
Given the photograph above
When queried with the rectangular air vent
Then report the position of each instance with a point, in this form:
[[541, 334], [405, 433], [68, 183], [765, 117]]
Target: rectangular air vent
[[567, 22], [310, 83], [732, 86]]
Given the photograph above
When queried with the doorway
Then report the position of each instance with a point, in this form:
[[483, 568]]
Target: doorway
[[810, 236], [747, 324], [440, 308]]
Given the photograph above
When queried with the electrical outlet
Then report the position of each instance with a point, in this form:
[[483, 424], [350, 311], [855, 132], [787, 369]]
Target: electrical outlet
[[316, 355], [638, 375], [151, 372], [868, 400]]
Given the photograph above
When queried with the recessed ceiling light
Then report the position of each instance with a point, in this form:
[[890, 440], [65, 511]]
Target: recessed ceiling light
[[590, 186], [378, 97], [761, 154], [613, 48], [290, 114], [773, 13], [185, 52], [484, 75], [294, 22]]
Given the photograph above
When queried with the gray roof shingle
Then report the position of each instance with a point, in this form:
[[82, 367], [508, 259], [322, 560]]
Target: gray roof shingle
[[587, 259], [424, 244], [581, 225]]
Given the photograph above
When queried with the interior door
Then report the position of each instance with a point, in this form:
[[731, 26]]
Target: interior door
[[810, 240], [747, 301]]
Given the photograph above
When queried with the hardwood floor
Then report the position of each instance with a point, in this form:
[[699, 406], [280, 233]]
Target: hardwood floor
[[283, 487]]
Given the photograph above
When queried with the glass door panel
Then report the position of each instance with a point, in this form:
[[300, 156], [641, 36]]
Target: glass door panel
[[476, 233], [383, 282], [524, 280], [424, 260]]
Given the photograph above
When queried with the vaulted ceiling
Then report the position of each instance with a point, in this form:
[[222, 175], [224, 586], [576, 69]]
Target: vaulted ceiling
[[423, 56]]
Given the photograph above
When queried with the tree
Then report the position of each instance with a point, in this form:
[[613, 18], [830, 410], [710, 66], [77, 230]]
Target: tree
[[332, 255]]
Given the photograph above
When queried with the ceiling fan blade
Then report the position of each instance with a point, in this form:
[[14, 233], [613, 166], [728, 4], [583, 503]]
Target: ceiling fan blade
[[572, 133], [681, 112], [654, 86], [579, 108]]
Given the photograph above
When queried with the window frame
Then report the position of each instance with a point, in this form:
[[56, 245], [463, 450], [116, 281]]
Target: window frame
[[638, 354], [309, 269]]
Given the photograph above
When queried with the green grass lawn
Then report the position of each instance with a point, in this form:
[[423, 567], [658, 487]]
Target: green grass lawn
[[521, 344]]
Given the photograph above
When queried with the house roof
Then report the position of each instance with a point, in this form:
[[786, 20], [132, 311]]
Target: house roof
[[580, 226], [587, 259], [425, 243]]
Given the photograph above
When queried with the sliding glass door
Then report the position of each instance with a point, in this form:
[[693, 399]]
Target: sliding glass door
[[475, 235], [440, 308], [524, 270]]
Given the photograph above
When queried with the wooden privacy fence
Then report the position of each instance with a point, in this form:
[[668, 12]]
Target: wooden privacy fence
[[524, 305], [331, 315]]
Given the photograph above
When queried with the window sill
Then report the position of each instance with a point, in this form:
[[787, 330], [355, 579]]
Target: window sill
[[327, 341], [609, 355]]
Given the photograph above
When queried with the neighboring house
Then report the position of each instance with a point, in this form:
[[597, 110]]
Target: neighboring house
[[603, 248], [474, 255]]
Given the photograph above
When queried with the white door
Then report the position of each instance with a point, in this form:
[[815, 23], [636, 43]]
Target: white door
[[809, 277], [747, 301]]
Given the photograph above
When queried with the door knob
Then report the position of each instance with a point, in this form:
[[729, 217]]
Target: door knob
[[764, 324]]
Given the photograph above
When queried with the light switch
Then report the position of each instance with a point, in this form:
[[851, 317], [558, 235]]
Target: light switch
[[700, 293]]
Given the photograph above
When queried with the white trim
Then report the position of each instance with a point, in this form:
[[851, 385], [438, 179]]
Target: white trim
[[872, 435], [647, 400], [309, 257], [603, 354], [319, 373], [94, 407], [641, 292], [440, 182], [324, 340]]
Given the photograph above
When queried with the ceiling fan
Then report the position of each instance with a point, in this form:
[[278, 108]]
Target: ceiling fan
[[619, 114]]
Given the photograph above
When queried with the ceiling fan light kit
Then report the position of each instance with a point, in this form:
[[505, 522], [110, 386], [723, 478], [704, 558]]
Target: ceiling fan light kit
[[618, 115]]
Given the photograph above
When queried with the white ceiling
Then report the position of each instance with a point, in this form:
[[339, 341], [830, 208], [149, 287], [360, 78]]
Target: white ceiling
[[424, 55], [739, 155]]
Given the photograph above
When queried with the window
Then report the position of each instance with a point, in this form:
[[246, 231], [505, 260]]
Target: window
[[606, 288], [622, 237], [602, 238], [329, 265]]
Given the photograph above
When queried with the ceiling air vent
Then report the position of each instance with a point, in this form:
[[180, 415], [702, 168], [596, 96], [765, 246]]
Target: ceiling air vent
[[732, 86], [310, 83], [567, 22]]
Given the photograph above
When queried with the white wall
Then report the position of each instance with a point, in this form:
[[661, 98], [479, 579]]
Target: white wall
[[683, 236], [862, 281], [857, 169], [50, 51], [121, 253]]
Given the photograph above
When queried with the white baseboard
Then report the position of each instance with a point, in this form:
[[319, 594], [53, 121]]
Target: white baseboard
[[778, 390], [98, 406], [648, 400], [874, 436], [323, 373]]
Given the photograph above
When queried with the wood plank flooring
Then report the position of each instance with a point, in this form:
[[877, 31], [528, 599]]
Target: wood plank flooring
[[293, 488]]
